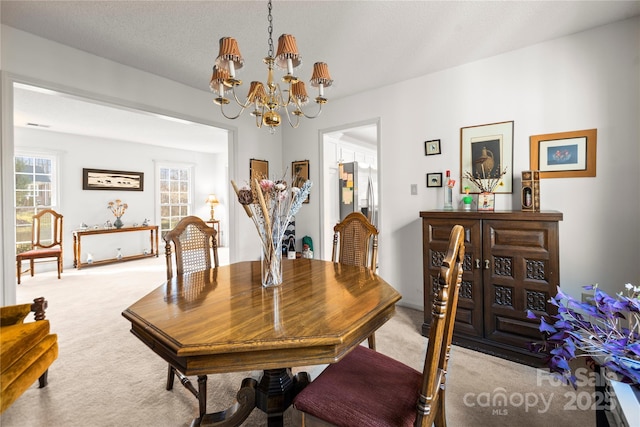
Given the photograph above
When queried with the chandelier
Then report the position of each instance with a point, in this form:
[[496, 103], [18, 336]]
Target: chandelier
[[268, 100]]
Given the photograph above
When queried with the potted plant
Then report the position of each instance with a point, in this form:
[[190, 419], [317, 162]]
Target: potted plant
[[604, 328]]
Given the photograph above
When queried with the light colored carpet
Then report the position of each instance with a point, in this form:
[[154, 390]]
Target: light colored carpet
[[104, 376]]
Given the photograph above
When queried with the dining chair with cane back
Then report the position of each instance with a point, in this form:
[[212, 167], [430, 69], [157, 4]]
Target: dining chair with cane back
[[355, 242], [46, 241], [193, 241], [369, 389]]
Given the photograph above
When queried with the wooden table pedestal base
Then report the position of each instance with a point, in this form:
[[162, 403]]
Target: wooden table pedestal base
[[273, 395]]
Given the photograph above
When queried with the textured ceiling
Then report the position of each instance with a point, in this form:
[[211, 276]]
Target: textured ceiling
[[367, 44]]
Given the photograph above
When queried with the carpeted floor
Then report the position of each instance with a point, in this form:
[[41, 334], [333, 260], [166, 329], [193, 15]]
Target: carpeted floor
[[104, 376]]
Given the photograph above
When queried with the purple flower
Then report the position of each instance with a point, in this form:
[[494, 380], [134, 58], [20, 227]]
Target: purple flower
[[607, 327], [546, 327]]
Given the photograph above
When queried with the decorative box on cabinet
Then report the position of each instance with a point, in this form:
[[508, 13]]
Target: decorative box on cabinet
[[511, 264]]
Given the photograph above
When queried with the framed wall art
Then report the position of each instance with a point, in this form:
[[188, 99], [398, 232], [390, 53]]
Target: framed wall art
[[434, 179], [258, 169], [103, 179], [485, 152], [565, 154], [300, 174], [432, 147]]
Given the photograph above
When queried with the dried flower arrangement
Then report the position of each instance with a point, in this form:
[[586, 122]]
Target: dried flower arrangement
[[485, 184], [271, 205], [117, 208]]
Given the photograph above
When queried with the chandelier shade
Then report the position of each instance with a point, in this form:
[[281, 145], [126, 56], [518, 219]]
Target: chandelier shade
[[218, 78], [229, 57], [299, 92], [321, 75], [269, 100], [287, 56], [257, 93]]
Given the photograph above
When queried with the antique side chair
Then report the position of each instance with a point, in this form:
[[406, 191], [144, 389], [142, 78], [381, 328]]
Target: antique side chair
[[355, 242], [369, 389], [46, 241]]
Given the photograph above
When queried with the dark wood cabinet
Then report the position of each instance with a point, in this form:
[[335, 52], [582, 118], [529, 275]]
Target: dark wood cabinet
[[511, 264]]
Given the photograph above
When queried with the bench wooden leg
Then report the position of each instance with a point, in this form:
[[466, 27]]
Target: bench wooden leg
[[170, 377], [43, 380]]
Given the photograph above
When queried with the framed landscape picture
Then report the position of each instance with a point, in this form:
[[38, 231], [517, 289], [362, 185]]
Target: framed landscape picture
[[104, 179]]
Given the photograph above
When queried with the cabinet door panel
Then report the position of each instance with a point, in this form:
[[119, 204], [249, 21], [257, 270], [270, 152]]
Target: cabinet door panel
[[436, 234], [522, 274]]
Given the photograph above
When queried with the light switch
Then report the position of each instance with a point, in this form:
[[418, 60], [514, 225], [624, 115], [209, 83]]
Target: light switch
[[414, 189]]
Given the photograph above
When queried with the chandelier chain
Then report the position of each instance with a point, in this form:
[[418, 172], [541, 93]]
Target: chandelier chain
[[270, 29]]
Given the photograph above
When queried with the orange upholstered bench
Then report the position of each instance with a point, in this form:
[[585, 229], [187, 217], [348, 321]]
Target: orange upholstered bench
[[26, 350]]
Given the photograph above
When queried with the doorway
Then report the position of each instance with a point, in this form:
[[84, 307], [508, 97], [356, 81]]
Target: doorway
[[355, 144], [65, 115]]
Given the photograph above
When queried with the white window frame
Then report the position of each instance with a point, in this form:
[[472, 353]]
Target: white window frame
[[54, 201], [172, 165]]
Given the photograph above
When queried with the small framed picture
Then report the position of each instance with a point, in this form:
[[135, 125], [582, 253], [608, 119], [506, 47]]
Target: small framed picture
[[434, 179], [432, 147], [300, 174], [258, 169]]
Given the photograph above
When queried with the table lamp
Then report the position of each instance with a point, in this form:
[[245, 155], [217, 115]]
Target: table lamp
[[213, 202]]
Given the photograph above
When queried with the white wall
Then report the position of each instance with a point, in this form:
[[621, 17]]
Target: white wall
[[587, 80]]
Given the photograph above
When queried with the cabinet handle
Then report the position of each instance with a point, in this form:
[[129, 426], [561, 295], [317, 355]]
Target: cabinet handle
[[477, 263], [486, 264]]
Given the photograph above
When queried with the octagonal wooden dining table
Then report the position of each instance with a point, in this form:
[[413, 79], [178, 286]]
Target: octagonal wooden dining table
[[223, 320]]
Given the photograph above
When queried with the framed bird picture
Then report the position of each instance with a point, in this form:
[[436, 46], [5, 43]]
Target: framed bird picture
[[486, 152]]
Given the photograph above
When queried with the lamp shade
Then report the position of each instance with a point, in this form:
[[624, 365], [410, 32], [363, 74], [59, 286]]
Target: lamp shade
[[257, 93], [287, 49], [212, 200], [217, 78], [229, 52], [299, 92], [321, 75]]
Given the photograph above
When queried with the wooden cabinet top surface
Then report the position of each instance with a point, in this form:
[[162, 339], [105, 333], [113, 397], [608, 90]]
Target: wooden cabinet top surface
[[499, 215]]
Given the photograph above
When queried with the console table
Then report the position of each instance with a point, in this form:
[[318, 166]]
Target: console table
[[77, 244], [215, 223]]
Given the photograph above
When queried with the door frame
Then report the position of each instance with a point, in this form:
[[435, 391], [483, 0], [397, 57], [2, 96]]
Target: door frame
[[324, 245]]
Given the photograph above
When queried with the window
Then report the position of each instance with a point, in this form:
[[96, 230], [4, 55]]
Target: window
[[175, 196], [35, 177]]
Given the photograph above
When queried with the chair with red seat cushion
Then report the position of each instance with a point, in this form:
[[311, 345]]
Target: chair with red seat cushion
[[369, 389], [46, 241]]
